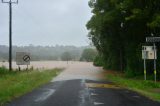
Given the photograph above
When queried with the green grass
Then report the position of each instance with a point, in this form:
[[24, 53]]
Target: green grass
[[149, 89], [15, 84]]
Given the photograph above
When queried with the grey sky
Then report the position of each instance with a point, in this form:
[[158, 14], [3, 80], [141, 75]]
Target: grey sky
[[46, 22]]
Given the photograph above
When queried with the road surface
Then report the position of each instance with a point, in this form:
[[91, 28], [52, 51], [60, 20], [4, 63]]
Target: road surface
[[81, 84]]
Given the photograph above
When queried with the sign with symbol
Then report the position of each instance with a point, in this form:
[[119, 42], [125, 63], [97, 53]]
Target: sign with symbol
[[23, 58], [26, 58]]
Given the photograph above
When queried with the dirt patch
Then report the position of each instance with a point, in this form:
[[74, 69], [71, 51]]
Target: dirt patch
[[111, 72], [156, 90]]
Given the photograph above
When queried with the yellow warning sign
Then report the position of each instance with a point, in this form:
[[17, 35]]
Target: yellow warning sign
[[97, 85]]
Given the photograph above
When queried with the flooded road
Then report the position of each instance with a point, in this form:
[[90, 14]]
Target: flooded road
[[73, 69], [80, 84], [80, 70]]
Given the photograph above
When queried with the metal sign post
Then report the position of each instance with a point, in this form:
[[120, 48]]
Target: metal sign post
[[154, 40], [149, 52], [10, 2], [144, 57], [145, 72], [155, 71]]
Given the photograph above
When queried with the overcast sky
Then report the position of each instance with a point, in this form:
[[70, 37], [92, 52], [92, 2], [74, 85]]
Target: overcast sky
[[46, 22]]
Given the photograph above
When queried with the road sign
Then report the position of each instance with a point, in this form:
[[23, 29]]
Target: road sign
[[148, 52], [23, 58], [152, 39]]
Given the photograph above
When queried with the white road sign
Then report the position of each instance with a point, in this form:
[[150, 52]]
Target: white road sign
[[148, 52], [23, 58]]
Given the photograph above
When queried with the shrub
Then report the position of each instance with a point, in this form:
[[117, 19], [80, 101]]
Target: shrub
[[98, 61], [3, 70]]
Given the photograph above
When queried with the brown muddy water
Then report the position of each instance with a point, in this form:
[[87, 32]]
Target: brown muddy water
[[72, 69], [40, 64]]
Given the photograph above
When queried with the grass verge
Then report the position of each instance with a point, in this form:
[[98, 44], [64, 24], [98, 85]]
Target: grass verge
[[15, 84], [149, 89]]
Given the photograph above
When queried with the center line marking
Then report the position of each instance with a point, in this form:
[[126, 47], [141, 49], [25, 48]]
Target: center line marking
[[93, 94], [136, 96], [98, 103]]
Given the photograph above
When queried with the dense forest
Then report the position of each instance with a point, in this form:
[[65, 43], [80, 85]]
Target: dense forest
[[118, 29], [43, 52]]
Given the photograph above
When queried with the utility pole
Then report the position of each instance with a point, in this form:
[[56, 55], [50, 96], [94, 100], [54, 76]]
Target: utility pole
[[10, 2]]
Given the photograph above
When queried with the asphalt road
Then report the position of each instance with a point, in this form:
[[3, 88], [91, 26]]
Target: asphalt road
[[78, 88]]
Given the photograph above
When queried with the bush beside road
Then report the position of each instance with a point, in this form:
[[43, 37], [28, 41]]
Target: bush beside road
[[15, 84], [148, 88]]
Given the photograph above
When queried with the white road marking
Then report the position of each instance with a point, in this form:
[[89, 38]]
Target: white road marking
[[45, 95], [136, 96], [98, 103], [83, 81], [127, 91], [93, 94]]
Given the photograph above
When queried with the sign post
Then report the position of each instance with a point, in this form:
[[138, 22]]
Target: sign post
[[144, 55], [148, 52], [145, 72], [154, 40], [23, 58], [155, 71]]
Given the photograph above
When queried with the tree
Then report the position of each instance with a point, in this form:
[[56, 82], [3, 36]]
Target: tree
[[88, 55], [118, 29], [66, 56]]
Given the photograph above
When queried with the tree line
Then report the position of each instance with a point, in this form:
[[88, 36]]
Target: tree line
[[40, 53], [118, 29], [43, 52]]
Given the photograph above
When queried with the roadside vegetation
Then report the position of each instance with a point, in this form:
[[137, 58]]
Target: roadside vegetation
[[148, 88], [118, 30], [88, 54], [14, 83]]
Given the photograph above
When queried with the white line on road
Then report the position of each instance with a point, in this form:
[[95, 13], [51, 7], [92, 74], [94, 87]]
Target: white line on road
[[136, 96], [45, 95], [93, 94], [98, 103], [127, 91]]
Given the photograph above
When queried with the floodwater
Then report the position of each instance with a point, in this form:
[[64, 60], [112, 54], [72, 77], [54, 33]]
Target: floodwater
[[81, 70], [39, 64], [73, 69]]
